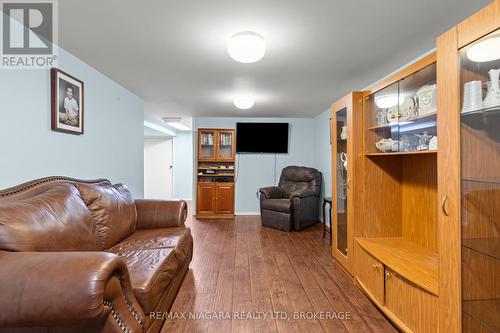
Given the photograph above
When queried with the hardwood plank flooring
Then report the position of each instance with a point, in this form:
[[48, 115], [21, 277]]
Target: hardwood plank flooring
[[245, 278]]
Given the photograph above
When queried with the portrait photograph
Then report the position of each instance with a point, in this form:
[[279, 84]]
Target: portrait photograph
[[67, 103]]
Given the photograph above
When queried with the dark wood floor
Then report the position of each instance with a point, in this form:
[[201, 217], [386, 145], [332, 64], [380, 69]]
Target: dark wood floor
[[242, 271]]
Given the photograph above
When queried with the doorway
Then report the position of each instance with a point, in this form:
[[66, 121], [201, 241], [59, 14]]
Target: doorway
[[158, 168]]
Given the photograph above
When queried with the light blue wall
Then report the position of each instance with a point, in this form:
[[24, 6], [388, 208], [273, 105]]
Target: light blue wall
[[323, 151], [257, 170], [183, 165], [112, 146]]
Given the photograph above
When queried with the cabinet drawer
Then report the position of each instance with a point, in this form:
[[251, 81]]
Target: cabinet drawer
[[370, 273], [415, 307]]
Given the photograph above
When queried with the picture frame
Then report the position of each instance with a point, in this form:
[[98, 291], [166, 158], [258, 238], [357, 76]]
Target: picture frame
[[67, 103]]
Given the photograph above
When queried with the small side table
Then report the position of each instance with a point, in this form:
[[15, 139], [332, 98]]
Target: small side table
[[327, 200]]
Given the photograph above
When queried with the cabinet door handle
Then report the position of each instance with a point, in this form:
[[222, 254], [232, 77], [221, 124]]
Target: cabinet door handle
[[388, 275], [376, 266], [443, 205]]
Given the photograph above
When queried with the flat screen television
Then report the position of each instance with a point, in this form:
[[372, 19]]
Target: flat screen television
[[262, 138]]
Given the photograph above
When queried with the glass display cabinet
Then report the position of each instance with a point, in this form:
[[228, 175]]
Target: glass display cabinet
[[469, 173], [216, 145], [207, 144], [347, 150], [480, 182], [401, 117], [226, 147], [342, 181]]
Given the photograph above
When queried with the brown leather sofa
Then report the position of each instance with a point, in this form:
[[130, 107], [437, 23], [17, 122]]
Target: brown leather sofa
[[84, 256], [295, 202]]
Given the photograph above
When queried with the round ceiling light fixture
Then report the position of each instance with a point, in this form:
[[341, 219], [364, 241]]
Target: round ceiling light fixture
[[485, 50], [244, 102], [246, 47]]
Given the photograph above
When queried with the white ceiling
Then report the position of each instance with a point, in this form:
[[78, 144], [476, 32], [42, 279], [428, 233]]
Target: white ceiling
[[173, 52]]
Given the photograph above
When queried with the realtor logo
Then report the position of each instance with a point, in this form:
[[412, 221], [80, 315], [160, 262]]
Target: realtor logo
[[28, 34]]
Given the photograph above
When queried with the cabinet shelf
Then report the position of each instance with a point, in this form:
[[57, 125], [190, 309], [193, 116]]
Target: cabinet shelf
[[487, 246], [413, 262], [490, 181], [217, 175], [485, 111], [418, 152], [215, 169], [405, 122], [484, 311]]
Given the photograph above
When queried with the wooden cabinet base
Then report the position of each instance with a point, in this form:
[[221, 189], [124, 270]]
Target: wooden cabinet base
[[408, 305], [388, 313]]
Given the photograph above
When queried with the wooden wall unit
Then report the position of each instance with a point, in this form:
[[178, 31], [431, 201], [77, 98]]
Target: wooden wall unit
[[468, 184], [347, 183], [398, 233], [427, 230], [215, 173]]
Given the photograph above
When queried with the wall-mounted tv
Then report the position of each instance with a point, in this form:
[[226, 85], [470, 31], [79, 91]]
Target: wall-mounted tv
[[262, 138]]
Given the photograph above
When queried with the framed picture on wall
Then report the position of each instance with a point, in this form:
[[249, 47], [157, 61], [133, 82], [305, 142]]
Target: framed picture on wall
[[67, 103]]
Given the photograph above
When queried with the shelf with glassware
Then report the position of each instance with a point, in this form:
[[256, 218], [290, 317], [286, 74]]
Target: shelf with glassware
[[480, 186], [397, 250], [469, 173], [401, 117]]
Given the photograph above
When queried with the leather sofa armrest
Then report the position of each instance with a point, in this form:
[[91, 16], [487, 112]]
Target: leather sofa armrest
[[67, 288], [272, 192], [304, 194], [152, 214]]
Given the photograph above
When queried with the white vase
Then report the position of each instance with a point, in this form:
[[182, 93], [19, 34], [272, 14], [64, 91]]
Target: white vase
[[493, 97]]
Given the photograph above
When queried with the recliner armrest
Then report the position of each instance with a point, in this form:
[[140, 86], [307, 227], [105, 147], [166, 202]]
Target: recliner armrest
[[66, 288], [153, 214], [304, 194], [272, 192]]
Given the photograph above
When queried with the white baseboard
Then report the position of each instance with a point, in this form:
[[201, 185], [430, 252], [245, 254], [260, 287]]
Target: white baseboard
[[247, 213]]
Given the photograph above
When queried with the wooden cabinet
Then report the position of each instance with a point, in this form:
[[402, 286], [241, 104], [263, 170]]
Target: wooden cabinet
[[347, 145], [224, 198], [370, 274], [206, 198], [397, 222], [215, 173], [415, 307], [469, 178], [401, 279], [226, 147], [427, 227], [215, 200], [218, 145]]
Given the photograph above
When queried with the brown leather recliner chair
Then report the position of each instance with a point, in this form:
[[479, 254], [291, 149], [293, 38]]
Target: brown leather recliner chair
[[84, 256], [295, 202]]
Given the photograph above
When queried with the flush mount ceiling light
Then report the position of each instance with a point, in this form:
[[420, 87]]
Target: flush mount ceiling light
[[244, 102], [388, 101], [486, 50], [246, 47]]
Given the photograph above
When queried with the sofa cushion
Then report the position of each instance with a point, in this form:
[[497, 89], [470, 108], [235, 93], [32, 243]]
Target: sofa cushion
[[113, 208], [53, 220], [278, 205], [152, 239], [154, 257]]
